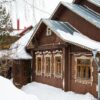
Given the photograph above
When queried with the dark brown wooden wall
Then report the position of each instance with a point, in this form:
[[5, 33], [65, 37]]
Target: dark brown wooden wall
[[21, 72], [50, 80], [78, 22], [42, 39], [47, 43]]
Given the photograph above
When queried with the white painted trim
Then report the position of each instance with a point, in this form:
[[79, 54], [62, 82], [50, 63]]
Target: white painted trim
[[48, 32], [55, 75], [39, 73], [83, 81]]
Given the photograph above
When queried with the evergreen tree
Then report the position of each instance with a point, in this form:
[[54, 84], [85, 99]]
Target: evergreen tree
[[5, 24]]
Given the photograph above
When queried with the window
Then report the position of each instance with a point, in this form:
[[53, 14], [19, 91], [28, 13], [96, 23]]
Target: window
[[58, 66], [83, 69], [48, 65], [38, 65], [48, 32]]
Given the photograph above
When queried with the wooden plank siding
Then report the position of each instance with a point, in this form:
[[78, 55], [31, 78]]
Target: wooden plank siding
[[21, 71], [76, 86]]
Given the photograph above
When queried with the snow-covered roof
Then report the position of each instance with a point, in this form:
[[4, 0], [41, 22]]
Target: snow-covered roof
[[16, 32], [18, 48], [4, 53], [96, 2], [84, 12], [68, 33]]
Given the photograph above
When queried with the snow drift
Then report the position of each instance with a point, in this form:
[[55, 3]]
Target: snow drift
[[46, 92], [9, 92]]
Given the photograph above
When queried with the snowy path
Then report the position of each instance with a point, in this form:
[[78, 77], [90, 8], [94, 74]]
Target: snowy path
[[45, 92]]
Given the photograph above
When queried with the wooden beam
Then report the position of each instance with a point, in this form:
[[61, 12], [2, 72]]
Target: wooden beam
[[66, 69], [33, 66], [50, 46]]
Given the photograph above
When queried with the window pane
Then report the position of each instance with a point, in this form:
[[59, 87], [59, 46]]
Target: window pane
[[83, 68], [48, 65], [58, 67], [38, 64]]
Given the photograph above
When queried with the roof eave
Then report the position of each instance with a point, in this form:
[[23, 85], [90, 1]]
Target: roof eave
[[60, 3], [80, 16], [69, 41]]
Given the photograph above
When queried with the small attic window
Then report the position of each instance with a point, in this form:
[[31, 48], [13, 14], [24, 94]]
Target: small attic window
[[48, 31]]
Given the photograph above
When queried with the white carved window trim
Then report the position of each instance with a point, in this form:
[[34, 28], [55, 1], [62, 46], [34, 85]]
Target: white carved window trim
[[80, 80], [55, 74], [37, 72], [45, 70], [48, 31]]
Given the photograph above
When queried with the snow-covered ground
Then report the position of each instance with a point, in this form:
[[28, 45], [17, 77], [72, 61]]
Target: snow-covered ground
[[45, 92], [9, 92], [37, 91]]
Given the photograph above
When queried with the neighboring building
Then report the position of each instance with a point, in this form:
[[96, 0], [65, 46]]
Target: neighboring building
[[7, 53], [61, 48], [21, 69], [5, 64]]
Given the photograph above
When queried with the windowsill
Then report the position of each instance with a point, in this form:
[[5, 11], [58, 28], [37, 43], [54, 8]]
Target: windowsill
[[84, 81], [47, 75], [58, 76], [38, 74]]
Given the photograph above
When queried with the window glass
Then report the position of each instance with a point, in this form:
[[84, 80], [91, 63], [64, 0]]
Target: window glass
[[48, 32], [58, 66], [38, 65], [47, 65], [83, 68]]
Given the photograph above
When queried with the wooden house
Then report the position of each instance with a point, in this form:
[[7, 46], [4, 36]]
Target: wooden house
[[61, 47]]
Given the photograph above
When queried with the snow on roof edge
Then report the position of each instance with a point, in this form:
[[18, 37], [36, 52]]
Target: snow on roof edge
[[78, 44], [18, 48]]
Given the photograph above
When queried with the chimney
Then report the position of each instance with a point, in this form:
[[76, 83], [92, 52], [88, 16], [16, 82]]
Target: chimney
[[18, 24]]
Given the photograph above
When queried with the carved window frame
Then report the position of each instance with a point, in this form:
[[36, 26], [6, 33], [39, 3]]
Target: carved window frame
[[83, 80], [45, 64], [39, 73], [55, 73], [48, 31]]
